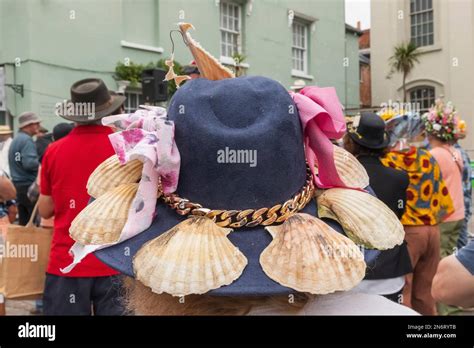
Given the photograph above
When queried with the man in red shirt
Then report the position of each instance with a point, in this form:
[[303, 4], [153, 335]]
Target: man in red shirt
[[91, 287]]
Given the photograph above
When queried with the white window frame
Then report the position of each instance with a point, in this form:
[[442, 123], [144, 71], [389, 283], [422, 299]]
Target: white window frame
[[305, 26], [228, 30], [420, 101], [128, 98], [428, 35]]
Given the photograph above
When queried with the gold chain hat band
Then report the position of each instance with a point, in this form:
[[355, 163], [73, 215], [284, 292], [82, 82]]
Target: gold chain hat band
[[247, 217]]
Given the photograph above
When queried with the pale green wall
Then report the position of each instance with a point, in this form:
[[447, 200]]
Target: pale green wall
[[352, 71], [41, 31], [267, 37]]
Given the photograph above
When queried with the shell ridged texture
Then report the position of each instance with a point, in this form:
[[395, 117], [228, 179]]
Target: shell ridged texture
[[110, 174], [350, 170], [102, 221], [364, 218], [309, 256], [193, 257]]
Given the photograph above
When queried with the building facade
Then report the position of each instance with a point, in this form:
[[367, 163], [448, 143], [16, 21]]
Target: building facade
[[352, 101], [444, 34], [47, 45]]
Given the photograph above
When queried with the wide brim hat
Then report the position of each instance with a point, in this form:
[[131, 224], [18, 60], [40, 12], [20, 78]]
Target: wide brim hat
[[27, 118], [90, 100], [227, 186], [297, 85], [368, 130], [250, 241], [404, 126], [203, 130]]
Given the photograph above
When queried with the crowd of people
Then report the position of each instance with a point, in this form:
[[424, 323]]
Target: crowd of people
[[415, 164], [52, 171], [422, 173]]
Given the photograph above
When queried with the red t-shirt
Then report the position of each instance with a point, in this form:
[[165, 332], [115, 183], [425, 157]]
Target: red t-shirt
[[66, 166]]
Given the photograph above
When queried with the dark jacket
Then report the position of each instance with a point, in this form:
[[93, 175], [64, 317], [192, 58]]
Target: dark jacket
[[42, 143], [390, 186], [23, 159]]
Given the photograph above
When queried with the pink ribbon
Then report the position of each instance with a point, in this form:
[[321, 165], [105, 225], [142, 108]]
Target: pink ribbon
[[322, 119], [146, 135]]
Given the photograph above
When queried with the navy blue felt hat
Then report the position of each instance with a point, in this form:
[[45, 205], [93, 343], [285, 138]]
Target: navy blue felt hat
[[211, 117]]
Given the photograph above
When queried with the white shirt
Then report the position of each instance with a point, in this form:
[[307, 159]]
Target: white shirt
[[4, 148], [343, 303], [381, 286]]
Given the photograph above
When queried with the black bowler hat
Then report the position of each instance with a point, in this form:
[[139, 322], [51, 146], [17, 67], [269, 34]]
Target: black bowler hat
[[369, 131]]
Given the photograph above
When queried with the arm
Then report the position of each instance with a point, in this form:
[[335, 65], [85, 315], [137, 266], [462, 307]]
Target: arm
[[466, 180], [29, 156], [45, 202], [46, 206], [12, 212], [7, 190], [453, 284]]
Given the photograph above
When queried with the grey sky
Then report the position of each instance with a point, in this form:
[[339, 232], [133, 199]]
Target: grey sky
[[358, 10]]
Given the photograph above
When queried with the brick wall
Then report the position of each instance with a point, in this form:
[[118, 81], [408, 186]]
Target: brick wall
[[365, 86]]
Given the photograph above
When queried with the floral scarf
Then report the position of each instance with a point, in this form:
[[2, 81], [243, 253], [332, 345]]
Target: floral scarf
[[428, 200]]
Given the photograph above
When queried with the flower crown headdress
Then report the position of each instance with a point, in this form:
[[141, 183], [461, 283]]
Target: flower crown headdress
[[442, 120]]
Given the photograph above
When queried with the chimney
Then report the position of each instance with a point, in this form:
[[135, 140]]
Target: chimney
[[358, 25]]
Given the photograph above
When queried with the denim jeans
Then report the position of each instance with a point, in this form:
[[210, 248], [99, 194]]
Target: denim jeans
[[464, 235]]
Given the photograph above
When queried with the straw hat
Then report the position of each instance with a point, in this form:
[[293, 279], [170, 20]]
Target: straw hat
[[297, 85], [4, 130]]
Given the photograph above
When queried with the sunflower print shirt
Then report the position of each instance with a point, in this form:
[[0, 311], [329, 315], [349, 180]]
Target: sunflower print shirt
[[428, 200]]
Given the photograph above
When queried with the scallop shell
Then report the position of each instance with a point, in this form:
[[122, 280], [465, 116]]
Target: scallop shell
[[309, 256], [111, 173], [102, 221], [365, 219], [193, 257], [350, 170]]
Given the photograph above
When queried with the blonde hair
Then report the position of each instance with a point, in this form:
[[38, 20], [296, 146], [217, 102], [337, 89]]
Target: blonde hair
[[140, 300]]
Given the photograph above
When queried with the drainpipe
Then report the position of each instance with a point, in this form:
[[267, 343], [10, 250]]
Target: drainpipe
[[8, 110], [345, 54], [157, 22], [345, 69], [14, 94]]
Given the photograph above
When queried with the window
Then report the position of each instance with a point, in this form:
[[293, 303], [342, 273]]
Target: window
[[424, 96], [230, 29], [421, 15], [133, 101], [142, 12], [299, 48]]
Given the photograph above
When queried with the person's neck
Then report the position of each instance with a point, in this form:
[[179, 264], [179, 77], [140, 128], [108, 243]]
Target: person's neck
[[437, 143], [89, 124], [26, 132]]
